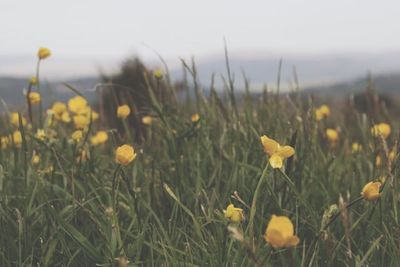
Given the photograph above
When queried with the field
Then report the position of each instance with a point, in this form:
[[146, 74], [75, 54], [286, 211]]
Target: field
[[311, 184]]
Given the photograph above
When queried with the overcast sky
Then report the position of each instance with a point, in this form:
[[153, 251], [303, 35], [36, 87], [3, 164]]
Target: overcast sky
[[181, 28]]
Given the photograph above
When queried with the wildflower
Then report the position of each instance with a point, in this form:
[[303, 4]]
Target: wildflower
[[33, 80], [78, 105], [40, 134], [44, 53], [378, 161], [158, 74], [34, 98], [100, 138], [80, 121], [280, 233], [383, 129], [123, 111], [276, 152], [15, 119], [95, 116], [195, 118], [65, 117], [322, 112], [125, 154], [371, 191], [356, 147], [4, 141], [58, 109], [332, 135], [17, 138], [234, 214], [147, 120], [77, 135], [35, 159]]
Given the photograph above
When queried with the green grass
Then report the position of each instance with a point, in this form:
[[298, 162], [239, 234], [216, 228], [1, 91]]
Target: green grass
[[166, 208]]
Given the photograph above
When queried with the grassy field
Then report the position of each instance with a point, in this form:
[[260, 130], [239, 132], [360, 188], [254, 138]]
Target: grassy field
[[69, 197]]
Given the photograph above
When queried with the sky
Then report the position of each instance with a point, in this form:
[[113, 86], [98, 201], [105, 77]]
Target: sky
[[97, 31]]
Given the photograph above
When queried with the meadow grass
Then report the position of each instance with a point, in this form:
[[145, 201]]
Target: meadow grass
[[166, 207]]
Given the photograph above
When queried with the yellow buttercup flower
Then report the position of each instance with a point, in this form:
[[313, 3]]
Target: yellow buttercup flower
[[33, 80], [125, 154], [280, 232], [147, 120], [383, 129], [95, 116], [322, 112], [65, 117], [356, 147], [35, 159], [58, 109], [34, 98], [371, 191], [234, 214], [4, 140], [78, 105], [158, 74], [100, 138], [77, 135], [44, 53], [123, 111], [15, 119], [195, 117], [276, 152], [332, 135], [40, 134], [17, 138], [80, 121]]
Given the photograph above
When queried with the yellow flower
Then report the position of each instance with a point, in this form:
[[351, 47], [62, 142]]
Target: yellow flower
[[195, 117], [158, 74], [58, 109], [4, 140], [65, 117], [276, 152], [147, 120], [77, 135], [280, 232], [78, 105], [44, 53], [33, 80], [95, 116], [125, 154], [15, 119], [322, 112], [381, 129], [80, 121], [371, 191], [332, 135], [35, 159], [234, 214], [378, 161], [40, 134], [123, 111], [356, 147], [17, 138], [100, 138], [34, 98]]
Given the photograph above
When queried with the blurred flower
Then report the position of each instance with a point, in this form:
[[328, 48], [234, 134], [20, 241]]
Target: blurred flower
[[356, 147], [147, 120], [33, 80], [276, 152], [322, 112], [83, 155], [332, 135], [95, 116], [80, 121], [123, 111], [4, 140], [35, 159], [78, 105], [15, 119], [17, 138], [100, 138], [234, 214], [383, 129], [40, 134], [58, 109], [280, 232], [34, 98], [125, 154], [44, 53], [158, 74], [371, 191], [195, 117], [77, 135], [65, 117], [378, 161]]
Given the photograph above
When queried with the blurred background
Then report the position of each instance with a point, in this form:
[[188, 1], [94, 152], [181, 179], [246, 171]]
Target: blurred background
[[332, 46]]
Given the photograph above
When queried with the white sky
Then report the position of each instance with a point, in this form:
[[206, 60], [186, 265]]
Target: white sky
[[114, 29]]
